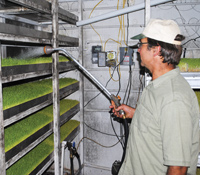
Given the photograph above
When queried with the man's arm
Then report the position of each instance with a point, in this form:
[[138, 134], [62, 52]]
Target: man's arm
[[177, 170]]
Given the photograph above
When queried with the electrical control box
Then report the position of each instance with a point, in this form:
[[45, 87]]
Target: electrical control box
[[95, 50], [126, 56], [102, 59], [111, 59]]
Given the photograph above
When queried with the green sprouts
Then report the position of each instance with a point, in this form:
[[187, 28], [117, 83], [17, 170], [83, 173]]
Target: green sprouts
[[31, 160], [16, 133], [189, 65], [41, 60], [15, 95]]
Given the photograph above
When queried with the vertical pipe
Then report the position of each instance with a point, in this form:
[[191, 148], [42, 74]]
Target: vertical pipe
[[2, 150], [147, 18], [62, 156], [80, 15], [147, 11], [56, 96]]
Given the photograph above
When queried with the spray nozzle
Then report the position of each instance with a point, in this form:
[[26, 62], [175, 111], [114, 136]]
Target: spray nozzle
[[48, 50]]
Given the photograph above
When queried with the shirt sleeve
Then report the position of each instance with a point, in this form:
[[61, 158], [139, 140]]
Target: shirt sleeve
[[176, 133]]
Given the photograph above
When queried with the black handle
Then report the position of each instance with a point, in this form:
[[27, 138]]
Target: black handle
[[116, 100]]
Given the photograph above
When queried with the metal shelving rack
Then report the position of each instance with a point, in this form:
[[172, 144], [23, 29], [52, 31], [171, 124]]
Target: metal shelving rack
[[193, 78], [35, 12]]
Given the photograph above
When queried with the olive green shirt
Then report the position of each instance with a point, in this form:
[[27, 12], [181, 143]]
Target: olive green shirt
[[165, 128]]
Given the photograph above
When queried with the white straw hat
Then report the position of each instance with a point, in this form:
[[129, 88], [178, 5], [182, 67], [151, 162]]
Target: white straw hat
[[161, 30]]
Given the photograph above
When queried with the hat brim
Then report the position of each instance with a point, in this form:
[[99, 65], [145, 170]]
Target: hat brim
[[134, 46], [140, 36]]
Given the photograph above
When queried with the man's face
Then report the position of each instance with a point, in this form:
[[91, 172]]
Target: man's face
[[145, 53]]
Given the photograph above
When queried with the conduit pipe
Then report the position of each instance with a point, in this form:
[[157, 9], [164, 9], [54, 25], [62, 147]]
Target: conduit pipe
[[119, 12], [63, 144]]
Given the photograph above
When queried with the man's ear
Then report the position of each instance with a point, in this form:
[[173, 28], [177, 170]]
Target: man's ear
[[156, 50]]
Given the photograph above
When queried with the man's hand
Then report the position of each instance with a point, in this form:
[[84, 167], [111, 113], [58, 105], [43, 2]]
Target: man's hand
[[177, 170], [129, 111]]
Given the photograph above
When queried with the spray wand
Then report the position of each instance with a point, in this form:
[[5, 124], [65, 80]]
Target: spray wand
[[115, 101]]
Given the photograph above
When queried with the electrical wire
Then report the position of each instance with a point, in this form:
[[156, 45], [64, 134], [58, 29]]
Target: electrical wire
[[96, 143], [106, 83], [193, 7], [196, 28], [99, 92], [91, 24], [119, 81], [130, 80], [121, 34], [101, 131], [183, 20], [98, 95], [194, 39], [110, 116], [120, 140], [127, 31]]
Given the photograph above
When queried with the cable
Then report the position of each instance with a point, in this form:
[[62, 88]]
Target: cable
[[91, 24], [93, 99], [193, 7], [191, 40], [99, 92], [96, 143], [101, 131], [105, 86], [127, 29], [130, 80], [119, 81], [116, 133]]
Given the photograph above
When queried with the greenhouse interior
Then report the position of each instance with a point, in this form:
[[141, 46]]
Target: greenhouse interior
[[100, 87]]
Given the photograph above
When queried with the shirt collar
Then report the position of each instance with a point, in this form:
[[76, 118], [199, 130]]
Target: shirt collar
[[164, 77]]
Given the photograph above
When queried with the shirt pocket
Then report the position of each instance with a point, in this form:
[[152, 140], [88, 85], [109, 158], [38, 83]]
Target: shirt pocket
[[142, 118]]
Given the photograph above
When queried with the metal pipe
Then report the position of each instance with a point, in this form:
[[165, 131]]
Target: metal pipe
[[55, 82], [16, 10], [2, 152], [86, 72], [49, 50], [119, 12], [62, 156], [115, 101]]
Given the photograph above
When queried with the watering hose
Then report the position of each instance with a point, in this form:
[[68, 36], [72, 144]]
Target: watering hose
[[115, 101], [73, 152]]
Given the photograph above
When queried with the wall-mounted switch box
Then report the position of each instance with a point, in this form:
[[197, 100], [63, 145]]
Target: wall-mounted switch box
[[95, 50], [126, 56]]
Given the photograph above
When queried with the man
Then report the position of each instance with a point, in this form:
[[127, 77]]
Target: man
[[164, 132]]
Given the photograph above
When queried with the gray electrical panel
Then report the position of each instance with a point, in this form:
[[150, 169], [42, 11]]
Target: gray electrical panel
[[126, 56], [102, 59], [95, 50]]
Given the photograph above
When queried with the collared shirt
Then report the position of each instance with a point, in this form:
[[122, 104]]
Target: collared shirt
[[165, 128]]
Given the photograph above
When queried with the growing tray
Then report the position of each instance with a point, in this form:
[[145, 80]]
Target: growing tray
[[189, 64], [41, 168], [68, 131], [25, 146], [18, 112], [20, 72]]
